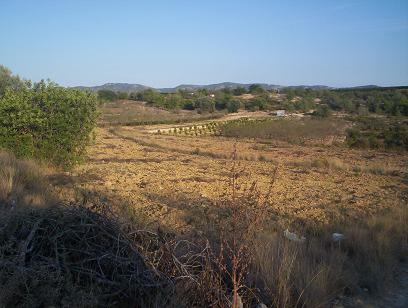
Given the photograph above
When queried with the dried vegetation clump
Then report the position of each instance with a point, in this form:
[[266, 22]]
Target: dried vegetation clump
[[22, 183]]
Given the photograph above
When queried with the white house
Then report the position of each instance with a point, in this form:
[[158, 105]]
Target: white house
[[280, 113]]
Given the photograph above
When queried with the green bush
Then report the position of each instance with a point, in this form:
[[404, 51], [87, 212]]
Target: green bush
[[257, 103], [239, 91], [397, 136], [47, 122], [107, 95], [204, 104], [378, 133], [322, 111], [355, 138], [256, 89], [233, 106]]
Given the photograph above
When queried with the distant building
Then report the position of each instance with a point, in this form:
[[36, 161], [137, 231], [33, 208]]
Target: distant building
[[212, 95], [280, 113]]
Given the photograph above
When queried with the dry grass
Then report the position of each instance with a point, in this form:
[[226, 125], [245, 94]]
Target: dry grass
[[333, 163], [22, 183], [82, 254], [323, 131], [292, 274], [311, 274]]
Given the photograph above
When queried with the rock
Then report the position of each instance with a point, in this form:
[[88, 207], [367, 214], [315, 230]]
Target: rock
[[337, 237], [293, 236]]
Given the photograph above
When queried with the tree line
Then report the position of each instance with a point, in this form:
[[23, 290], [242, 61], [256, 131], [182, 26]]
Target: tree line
[[387, 101]]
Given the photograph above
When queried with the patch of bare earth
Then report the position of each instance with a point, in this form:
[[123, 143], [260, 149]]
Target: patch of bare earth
[[178, 181]]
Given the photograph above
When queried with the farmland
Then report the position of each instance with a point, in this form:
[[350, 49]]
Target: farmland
[[317, 184]]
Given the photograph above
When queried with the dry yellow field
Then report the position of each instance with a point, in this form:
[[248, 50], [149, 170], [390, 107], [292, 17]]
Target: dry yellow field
[[178, 181]]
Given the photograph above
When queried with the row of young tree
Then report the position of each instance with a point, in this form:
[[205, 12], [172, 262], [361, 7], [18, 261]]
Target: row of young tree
[[44, 120]]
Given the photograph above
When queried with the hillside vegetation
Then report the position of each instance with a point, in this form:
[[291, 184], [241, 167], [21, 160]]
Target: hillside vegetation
[[361, 101]]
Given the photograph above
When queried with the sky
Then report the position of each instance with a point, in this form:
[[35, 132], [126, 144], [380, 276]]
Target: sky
[[166, 43]]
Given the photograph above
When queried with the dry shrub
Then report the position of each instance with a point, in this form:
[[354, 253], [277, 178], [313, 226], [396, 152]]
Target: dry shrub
[[311, 274], [333, 163], [380, 169], [245, 209], [21, 182], [376, 246], [290, 274], [321, 163], [74, 256]]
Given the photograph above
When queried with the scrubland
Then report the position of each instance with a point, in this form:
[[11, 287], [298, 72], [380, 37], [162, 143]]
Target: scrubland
[[179, 183], [171, 199], [194, 214], [125, 112]]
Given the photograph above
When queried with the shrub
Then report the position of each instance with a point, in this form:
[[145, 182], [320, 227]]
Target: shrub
[[107, 95], [22, 183], [233, 106], [256, 89], [47, 122], [322, 111], [397, 136], [72, 256], [258, 103], [205, 104], [374, 133]]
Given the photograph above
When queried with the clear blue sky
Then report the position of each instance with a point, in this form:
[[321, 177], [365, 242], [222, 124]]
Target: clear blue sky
[[166, 43]]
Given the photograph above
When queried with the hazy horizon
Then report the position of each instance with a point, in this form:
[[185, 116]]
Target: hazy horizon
[[246, 83], [164, 44]]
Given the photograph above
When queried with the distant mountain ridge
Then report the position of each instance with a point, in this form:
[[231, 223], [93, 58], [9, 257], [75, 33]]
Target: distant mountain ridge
[[117, 87], [218, 86], [134, 87], [129, 87]]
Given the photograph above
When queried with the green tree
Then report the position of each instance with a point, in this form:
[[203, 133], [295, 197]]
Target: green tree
[[173, 101], [239, 91], [257, 103], [204, 104], [9, 81], [48, 122], [322, 111], [123, 95], [233, 105], [107, 95], [256, 89]]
